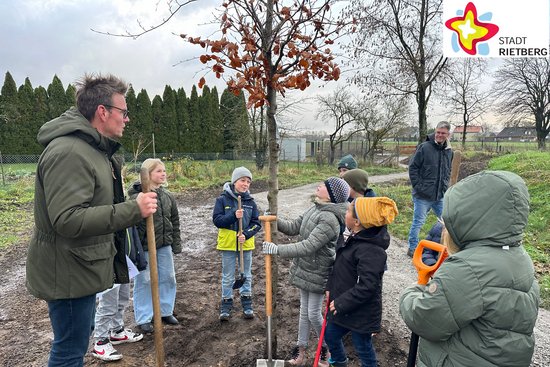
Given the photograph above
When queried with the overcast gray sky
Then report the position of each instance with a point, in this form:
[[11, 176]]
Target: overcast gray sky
[[40, 38], [43, 38]]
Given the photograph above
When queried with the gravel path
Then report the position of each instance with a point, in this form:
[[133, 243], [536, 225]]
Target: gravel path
[[401, 273]]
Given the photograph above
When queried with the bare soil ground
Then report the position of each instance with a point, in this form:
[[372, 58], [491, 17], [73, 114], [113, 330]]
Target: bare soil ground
[[200, 339]]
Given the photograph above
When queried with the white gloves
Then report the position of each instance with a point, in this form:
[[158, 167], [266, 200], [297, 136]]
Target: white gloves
[[269, 248]]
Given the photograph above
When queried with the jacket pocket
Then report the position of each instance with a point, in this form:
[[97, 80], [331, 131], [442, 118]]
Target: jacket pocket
[[94, 253], [227, 240], [93, 270]]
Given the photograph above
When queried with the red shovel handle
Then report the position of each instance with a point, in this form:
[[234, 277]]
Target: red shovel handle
[[320, 344], [425, 272]]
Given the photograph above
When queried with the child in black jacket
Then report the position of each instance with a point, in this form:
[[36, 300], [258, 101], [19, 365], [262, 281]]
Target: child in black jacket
[[355, 286]]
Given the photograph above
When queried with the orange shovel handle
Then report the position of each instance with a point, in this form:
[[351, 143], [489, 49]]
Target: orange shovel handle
[[425, 272]]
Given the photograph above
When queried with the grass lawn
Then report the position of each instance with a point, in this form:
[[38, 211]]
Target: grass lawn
[[16, 196]]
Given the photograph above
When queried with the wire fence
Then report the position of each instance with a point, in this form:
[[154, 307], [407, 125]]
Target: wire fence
[[319, 152]]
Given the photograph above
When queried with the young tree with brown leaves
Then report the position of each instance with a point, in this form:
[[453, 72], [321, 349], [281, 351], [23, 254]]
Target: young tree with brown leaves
[[273, 46]]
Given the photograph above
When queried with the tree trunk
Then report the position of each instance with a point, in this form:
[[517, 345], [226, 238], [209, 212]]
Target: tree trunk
[[541, 131], [464, 125], [273, 146], [422, 120]]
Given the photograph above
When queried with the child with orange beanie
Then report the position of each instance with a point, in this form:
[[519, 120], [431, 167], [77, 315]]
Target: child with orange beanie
[[355, 286]]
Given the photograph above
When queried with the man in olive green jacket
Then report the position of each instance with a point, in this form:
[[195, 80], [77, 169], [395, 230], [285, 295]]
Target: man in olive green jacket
[[79, 205], [481, 306]]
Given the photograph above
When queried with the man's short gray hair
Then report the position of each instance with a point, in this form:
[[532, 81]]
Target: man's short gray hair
[[443, 125], [93, 91]]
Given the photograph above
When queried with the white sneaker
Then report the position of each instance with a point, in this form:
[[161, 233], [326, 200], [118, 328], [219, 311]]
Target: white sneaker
[[125, 336], [104, 350]]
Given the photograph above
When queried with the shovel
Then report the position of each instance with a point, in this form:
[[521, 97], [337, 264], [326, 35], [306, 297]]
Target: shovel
[[241, 279], [153, 269], [269, 362], [425, 272], [320, 344]]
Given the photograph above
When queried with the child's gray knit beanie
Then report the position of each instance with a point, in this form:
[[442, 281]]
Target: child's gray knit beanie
[[240, 172]]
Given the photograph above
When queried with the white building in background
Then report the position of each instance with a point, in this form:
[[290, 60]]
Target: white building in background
[[293, 149]]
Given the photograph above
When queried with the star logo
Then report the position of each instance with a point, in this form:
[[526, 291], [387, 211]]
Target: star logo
[[470, 29]]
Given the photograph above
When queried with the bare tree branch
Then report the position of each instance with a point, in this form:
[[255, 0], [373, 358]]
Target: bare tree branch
[[171, 10]]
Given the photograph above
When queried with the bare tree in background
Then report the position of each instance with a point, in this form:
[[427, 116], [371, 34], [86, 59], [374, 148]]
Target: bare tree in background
[[340, 110], [465, 98], [523, 92], [378, 119], [397, 49]]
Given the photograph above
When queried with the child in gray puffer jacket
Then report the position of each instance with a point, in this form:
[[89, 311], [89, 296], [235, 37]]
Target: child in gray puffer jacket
[[320, 228]]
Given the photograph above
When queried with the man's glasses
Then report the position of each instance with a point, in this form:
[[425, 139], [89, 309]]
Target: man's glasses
[[124, 112]]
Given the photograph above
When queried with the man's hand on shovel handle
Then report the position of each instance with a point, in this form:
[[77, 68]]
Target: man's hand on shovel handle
[[241, 238], [147, 203], [239, 213]]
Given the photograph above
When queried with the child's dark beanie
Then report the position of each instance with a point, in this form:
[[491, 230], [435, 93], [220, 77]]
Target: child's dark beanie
[[348, 162], [357, 179], [338, 189]]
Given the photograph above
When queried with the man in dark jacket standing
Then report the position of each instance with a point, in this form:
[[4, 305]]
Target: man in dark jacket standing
[[79, 205], [429, 172]]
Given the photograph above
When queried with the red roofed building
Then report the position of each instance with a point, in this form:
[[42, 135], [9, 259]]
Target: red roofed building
[[473, 133]]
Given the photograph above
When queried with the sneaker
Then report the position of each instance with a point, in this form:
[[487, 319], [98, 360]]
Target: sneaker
[[225, 310], [103, 349], [323, 359], [124, 336], [337, 364], [246, 303]]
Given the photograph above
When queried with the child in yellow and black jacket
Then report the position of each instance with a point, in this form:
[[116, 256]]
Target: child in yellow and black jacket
[[226, 217]]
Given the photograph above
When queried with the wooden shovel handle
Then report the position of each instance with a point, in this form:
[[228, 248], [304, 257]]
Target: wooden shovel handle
[[267, 219], [455, 167], [240, 245], [153, 270]]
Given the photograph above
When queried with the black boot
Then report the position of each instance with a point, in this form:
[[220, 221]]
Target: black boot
[[225, 310], [246, 303]]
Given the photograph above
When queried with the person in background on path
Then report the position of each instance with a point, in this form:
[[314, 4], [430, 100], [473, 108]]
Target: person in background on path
[[481, 306], [358, 181], [109, 316], [354, 287], [320, 228], [429, 257], [429, 172], [226, 216], [346, 163], [78, 206], [168, 243]]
